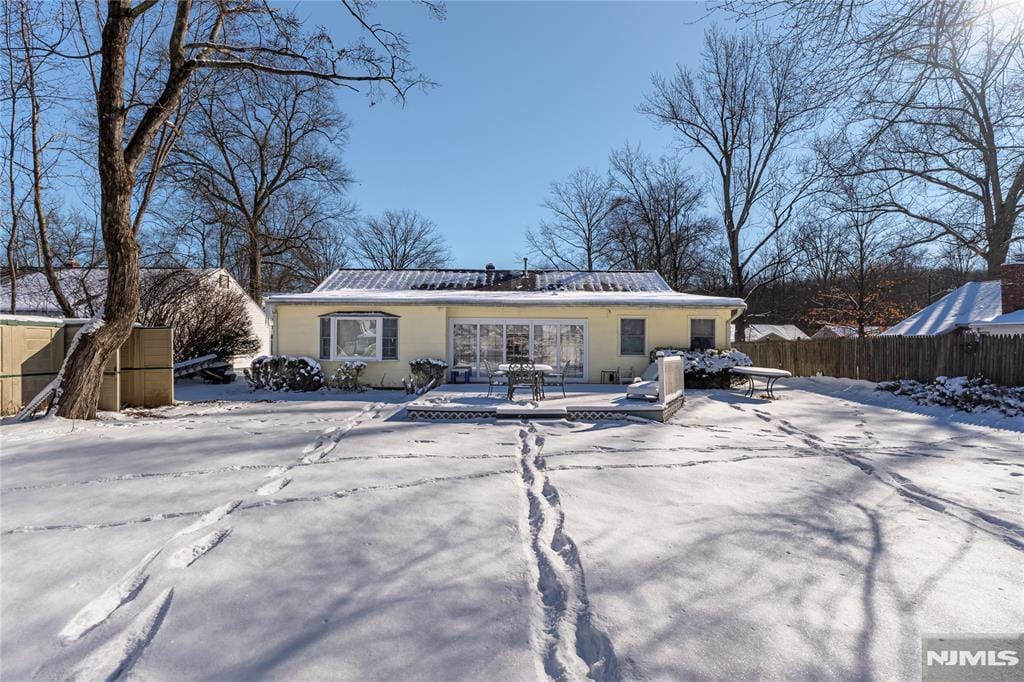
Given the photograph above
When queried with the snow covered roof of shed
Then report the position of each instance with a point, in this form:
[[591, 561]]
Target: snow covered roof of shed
[[973, 302], [756, 332], [501, 287]]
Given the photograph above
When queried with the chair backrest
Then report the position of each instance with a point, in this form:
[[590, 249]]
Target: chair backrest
[[487, 368], [521, 370]]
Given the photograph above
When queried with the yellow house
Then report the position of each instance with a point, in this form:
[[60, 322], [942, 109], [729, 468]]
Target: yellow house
[[590, 322]]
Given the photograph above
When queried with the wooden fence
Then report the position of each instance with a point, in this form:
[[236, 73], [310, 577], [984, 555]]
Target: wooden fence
[[998, 358], [139, 374]]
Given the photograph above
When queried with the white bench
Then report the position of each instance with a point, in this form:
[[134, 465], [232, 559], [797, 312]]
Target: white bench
[[769, 374]]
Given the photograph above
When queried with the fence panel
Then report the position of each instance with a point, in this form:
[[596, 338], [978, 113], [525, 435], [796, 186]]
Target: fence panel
[[880, 358]]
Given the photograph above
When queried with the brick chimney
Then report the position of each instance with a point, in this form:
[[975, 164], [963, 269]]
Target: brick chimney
[[1012, 288]]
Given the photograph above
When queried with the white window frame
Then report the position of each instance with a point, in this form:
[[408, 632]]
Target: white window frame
[[379, 345], [505, 321]]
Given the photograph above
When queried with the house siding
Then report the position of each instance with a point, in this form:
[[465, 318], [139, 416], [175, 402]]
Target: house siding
[[423, 332]]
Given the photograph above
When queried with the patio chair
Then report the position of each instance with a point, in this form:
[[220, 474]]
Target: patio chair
[[626, 377], [557, 378], [495, 377], [523, 374]]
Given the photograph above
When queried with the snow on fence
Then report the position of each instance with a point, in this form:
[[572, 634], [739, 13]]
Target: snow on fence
[[31, 354], [881, 358], [670, 378]]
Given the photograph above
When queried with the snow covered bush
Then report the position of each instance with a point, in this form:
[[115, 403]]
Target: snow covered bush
[[346, 377], [427, 373], [962, 393], [285, 373], [709, 368]]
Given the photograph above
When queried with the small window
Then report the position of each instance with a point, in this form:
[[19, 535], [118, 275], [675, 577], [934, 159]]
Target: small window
[[632, 336], [702, 334], [223, 281], [325, 338], [389, 339]]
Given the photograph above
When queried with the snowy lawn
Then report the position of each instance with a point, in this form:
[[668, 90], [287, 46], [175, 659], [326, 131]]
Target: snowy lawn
[[815, 536]]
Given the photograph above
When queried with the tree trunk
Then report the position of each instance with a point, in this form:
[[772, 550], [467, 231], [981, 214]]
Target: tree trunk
[[255, 266], [999, 243], [83, 370]]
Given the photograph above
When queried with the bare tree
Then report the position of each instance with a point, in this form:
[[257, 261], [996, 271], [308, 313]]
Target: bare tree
[[578, 234], [13, 87], [263, 153], [744, 108], [820, 239], [399, 239], [200, 36], [932, 92], [869, 265], [325, 251], [952, 158], [658, 225], [33, 81]]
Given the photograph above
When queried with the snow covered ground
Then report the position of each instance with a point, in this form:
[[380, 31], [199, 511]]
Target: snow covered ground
[[815, 536]]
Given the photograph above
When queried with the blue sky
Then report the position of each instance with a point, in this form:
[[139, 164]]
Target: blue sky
[[527, 92]]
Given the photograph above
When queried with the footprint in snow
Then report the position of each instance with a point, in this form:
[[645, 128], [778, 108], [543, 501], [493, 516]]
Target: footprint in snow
[[273, 486], [186, 556]]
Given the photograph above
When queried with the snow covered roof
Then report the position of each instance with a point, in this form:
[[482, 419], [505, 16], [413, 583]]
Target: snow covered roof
[[492, 280], [516, 298], [86, 289], [1016, 318], [501, 287], [755, 332], [973, 302], [837, 331]]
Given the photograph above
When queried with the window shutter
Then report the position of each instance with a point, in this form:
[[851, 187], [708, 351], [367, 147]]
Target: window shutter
[[389, 339], [325, 338]]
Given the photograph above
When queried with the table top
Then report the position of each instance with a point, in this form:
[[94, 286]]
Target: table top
[[762, 371], [504, 367]]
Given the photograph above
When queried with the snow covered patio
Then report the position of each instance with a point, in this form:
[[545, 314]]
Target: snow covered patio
[[582, 402], [324, 536]]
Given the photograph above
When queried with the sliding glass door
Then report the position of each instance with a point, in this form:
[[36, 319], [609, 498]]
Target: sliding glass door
[[475, 342]]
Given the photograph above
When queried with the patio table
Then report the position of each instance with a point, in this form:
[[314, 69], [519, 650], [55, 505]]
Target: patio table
[[769, 374]]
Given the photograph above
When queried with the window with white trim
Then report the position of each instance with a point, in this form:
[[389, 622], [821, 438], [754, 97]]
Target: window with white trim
[[358, 337], [632, 336], [702, 334]]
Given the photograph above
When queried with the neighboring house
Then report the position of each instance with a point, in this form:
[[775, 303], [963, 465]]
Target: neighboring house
[[995, 307], [770, 332], [838, 331], [597, 320], [86, 290]]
